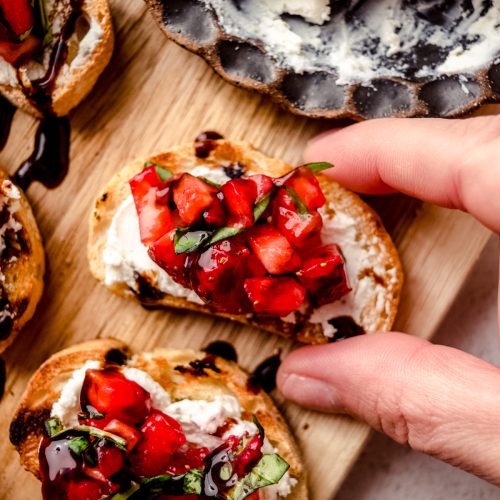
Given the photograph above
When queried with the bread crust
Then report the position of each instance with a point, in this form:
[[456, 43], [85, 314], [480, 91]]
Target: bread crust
[[369, 231], [72, 88], [24, 275], [45, 386]]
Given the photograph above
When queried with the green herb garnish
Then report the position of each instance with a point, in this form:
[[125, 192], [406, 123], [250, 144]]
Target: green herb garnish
[[118, 441], [300, 206], [261, 207], [224, 233], [53, 427], [319, 166], [78, 445], [189, 241], [269, 470]]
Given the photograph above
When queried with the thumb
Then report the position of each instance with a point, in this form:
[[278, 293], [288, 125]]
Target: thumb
[[436, 399]]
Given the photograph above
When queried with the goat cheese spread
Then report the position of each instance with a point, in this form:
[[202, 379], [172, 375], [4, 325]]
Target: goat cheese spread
[[369, 39], [198, 418]]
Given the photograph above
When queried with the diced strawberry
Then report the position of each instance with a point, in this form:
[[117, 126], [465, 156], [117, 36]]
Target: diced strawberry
[[162, 251], [297, 228], [275, 295], [127, 432], [108, 391], [182, 461], [86, 489], [109, 462], [100, 423], [17, 16], [263, 182], [215, 215], [192, 196], [323, 274], [239, 198], [273, 250], [18, 53], [246, 460], [306, 185], [218, 275], [155, 219], [161, 437], [255, 269]]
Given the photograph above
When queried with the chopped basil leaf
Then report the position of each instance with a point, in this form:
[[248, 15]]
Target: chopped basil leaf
[[223, 233], [91, 413], [297, 201], [269, 470], [185, 242], [261, 207], [193, 481], [126, 494], [78, 445], [319, 166], [53, 427], [118, 441], [259, 426], [44, 21], [211, 183]]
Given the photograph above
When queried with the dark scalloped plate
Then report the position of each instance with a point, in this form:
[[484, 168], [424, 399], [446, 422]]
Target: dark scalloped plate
[[317, 94]]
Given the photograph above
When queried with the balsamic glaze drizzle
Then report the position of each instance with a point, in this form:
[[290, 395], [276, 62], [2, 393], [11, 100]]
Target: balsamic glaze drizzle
[[264, 376], [7, 111], [222, 349], [49, 161], [3, 377]]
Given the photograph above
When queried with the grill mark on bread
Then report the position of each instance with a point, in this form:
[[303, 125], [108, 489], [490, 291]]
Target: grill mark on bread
[[198, 366], [26, 423]]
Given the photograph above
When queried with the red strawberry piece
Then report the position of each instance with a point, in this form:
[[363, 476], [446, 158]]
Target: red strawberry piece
[[162, 251], [215, 215], [306, 185], [155, 218], [109, 392], [18, 53], [297, 228], [17, 17], [100, 423], [247, 459], [263, 182], [273, 250], [192, 196], [85, 489], [240, 196], [218, 275], [109, 462], [183, 461], [127, 432], [323, 274], [255, 269], [275, 295], [161, 437]]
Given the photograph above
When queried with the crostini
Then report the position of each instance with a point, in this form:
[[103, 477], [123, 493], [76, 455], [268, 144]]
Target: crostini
[[220, 228], [52, 52], [22, 261], [96, 422]]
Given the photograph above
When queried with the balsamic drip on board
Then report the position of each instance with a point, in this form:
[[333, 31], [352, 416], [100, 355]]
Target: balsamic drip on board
[[264, 376], [7, 111], [222, 349]]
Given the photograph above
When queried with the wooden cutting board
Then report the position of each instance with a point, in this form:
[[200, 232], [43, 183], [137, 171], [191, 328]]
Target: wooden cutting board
[[155, 95]]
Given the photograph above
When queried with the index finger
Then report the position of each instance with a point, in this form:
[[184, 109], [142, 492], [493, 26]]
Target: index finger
[[452, 163]]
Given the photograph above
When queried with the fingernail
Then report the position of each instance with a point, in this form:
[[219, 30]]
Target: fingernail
[[310, 392]]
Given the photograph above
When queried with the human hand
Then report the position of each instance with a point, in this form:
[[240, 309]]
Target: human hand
[[436, 399]]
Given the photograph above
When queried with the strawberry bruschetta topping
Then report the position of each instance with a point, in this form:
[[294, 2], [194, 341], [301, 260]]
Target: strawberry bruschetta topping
[[249, 246], [124, 448]]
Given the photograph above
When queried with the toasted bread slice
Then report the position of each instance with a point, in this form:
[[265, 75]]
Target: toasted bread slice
[[376, 276], [46, 385], [22, 261], [89, 51]]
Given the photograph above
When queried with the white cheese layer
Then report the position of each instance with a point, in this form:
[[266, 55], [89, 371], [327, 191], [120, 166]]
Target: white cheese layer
[[199, 418], [371, 44]]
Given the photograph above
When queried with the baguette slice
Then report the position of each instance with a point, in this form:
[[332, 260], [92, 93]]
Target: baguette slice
[[378, 281], [22, 262], [47, 382], [89, 51]]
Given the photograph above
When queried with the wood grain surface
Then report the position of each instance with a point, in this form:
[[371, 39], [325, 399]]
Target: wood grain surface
[[153, 96]]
